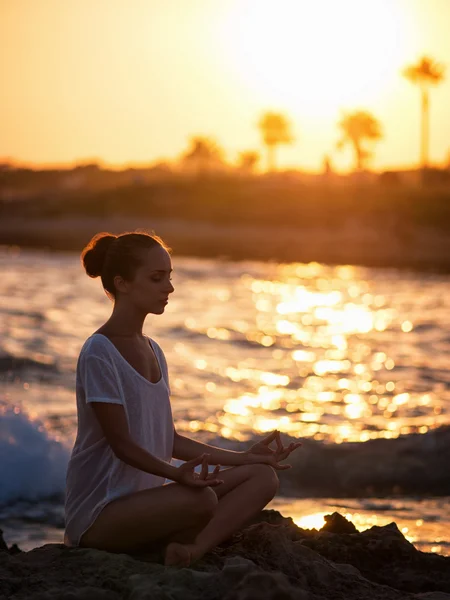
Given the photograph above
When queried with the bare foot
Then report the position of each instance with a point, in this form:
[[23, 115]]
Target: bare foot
[[181, 555]]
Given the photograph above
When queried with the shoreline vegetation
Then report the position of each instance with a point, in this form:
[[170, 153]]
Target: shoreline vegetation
[[368, 221]]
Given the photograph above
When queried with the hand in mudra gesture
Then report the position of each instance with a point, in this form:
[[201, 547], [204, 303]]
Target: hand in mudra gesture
[[187, 475], [263, 453]]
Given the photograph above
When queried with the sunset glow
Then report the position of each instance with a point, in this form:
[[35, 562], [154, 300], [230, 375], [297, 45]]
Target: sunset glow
[[129, 82], [317, 57]]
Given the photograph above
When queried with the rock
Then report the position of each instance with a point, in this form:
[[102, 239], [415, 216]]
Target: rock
[[266, 586], [239, 579], [14, 549], [383, 555], [271, 559], [399, 465], [336, 523]]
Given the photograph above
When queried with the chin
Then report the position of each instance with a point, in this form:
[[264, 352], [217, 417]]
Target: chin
[[156, 311]]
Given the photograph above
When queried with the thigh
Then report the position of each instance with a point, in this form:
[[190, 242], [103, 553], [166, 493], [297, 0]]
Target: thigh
[[134, 521]]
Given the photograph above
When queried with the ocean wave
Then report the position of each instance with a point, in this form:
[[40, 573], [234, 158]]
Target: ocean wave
[[33, 464], [14, 364], [36, 316]]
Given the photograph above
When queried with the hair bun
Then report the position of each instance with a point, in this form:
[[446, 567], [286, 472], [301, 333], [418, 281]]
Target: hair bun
[[94, 254]]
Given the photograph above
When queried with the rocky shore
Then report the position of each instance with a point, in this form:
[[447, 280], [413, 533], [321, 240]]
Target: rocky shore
[[271, 559]]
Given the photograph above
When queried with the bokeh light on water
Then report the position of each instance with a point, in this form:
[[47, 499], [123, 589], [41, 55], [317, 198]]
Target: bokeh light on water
[[329, 352]]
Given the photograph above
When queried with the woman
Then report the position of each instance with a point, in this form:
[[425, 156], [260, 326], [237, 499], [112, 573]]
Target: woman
[[116, 495]]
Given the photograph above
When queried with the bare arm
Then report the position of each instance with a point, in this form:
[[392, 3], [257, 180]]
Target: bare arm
[[114, 424], [186, 449]]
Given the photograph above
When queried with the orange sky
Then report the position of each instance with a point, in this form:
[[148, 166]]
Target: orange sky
[[128, 81]]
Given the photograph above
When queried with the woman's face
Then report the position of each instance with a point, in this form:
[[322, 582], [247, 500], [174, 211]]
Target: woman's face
[[149, 290]]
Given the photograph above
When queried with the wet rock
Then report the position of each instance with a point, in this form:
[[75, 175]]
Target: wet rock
[[271, 559]]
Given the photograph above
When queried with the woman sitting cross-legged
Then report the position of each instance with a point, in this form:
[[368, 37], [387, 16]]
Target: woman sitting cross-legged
[[117, 497]]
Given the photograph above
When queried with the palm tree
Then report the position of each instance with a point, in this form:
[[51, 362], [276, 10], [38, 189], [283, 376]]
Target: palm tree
[[275, 129], [357, 127], [424, 74], [203, 154]]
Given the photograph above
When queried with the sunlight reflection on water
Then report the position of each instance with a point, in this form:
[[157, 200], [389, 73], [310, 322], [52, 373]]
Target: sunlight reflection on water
[[346, 362], [336, 353]]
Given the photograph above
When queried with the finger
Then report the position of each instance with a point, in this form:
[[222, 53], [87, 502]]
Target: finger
[[295, 445], [284, 452], [196, 461], [270, 438], [207, 482], [213, 475], [215, 482], [280, 447], [204, 470], [279, 467], [199, 483], [290, 449]]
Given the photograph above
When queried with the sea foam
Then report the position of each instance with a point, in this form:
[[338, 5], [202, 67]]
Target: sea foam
[[33, 464]]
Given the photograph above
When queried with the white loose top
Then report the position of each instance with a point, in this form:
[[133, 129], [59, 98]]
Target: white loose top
[[95, 476]]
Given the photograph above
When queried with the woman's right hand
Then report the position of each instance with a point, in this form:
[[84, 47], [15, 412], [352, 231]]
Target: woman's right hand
[[187, 476]]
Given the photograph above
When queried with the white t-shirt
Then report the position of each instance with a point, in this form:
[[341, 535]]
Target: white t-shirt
[[95, 476]]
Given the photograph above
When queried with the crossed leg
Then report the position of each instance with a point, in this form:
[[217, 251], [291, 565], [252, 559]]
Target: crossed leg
[[190, 520], [245, 492]]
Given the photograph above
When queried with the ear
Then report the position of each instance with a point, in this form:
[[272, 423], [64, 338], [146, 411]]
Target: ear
[[120, 284]]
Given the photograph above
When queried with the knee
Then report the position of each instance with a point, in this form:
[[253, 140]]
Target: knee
[[204, 503], [268, 478]]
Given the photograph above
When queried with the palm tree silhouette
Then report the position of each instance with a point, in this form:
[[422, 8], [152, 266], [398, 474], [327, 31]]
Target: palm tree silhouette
[[357, 127], [203, 154], [275, 129], [425, 73]]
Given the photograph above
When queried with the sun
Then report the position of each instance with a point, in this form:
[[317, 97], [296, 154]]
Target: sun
[[316, 56]]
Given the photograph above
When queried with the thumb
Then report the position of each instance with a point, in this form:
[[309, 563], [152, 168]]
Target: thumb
[[270, 438]]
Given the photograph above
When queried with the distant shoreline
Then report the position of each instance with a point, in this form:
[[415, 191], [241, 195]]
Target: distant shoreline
[[422, 248]]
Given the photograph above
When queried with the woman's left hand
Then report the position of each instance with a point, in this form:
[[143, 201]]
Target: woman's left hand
[[263, 453]]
